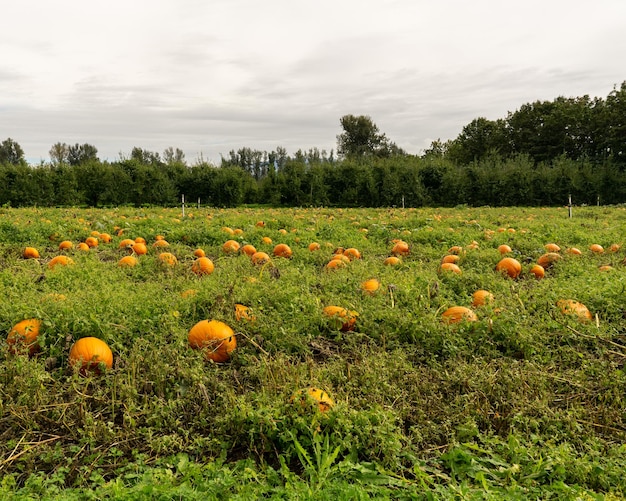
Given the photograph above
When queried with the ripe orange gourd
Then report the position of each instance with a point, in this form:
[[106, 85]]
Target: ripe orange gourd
[[451, 267], [161, 243], [203, 266], [334, 264], [243, 312], [82, 246], [571, 307], [504, 249], [456, 314], [455, 249], [538, 270], [30, 253], [313, 397], [260, 258], [215, 338], [140, 248], [88, 353], [574, 251], [614, 247], [392, 261], [548, 260], [231, 247], [140, 240], [370, 286], [450, 258], [552, 248], [91, 242], [249, 250], [596, 248], [510, 266], [127, 261], [481, 297], [401, 248], [59, 261], [199, 253], [23, 335], [282, 250], [346, 317], [266, 240], [352, 253], [66, 245], [127, 243], [314, 246], [168, 259], [104, 237]]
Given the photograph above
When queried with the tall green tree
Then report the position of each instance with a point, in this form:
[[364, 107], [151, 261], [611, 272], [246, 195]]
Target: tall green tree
[[11, 152], [361, 138], [82, 153]]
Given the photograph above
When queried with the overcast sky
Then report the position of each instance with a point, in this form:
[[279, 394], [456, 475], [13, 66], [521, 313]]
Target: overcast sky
[[209, 76]]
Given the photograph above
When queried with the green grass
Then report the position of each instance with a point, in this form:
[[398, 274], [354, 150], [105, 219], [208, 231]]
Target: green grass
[[525, 403]]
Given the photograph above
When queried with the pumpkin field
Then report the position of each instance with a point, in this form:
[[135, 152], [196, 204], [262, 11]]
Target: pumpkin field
[[322, 353]]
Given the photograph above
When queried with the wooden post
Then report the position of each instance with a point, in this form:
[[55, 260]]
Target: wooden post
[[569, 206], [403, 201], [198, 203], [183, 205]]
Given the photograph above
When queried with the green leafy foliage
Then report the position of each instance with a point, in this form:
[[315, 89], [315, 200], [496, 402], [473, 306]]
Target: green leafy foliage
[[526, 402]]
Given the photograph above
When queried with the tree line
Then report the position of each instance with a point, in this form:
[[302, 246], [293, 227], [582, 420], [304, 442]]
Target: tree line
[[538, 155]]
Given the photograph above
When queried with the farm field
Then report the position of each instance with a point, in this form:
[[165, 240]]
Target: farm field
[[522, 398]]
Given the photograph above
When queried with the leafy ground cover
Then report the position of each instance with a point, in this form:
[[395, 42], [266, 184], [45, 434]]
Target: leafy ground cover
[[525, 402]]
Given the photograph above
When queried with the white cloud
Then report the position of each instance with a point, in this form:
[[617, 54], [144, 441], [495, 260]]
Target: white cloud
[[209, 77]]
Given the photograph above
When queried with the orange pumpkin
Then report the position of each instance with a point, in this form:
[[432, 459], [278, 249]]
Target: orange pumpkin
[[574, 251], [282, 250], [313, 397], [370, 286], [199, 253], [230, 247], [23, 335], [352, 253], [104, 237], [346, 317], [539, 271], [140, 240], [140, 248], [30, 253], [548, 260], [392, 261], [266, 240], [216, 338], [91, 242], [249, 250], [455, 249], [450, 258], [401, 248], [59, 261], [83, 247], [314, 246], [260, 258], [203, 266], [168, 259], [614, 247], [88, 353], [161, 243], [127, 243], [66, 245], [334, 264], [552, 248], [456, 314], [243, 312], [596, 248], [571, 307], [127, 262], [451, 267], [510, 266], [504, 249], [481, 297]]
